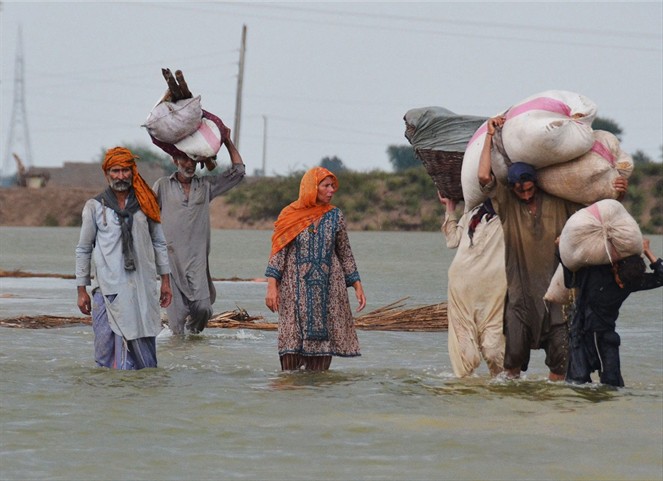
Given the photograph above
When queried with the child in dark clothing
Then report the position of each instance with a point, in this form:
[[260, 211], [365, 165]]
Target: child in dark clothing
[[601, 290]]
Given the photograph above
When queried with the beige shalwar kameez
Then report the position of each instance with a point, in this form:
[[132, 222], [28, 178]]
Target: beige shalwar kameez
[[476, 293]]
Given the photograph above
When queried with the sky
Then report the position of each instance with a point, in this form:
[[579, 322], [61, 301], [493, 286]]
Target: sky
[[321, 79]]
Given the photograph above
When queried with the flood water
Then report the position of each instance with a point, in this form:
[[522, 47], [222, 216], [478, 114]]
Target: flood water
[[218, 407]]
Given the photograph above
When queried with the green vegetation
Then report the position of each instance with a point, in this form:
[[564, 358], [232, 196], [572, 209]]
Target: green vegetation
[[407, 200], [609, 125], [644, 199], [402, 157], [370, 201]]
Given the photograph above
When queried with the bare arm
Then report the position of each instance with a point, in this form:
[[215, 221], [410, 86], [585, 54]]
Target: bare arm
[[484, 172], [235, 157], [450, 227], [647, 251]]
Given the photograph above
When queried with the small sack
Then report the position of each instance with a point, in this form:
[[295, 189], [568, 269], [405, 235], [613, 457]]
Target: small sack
[[472, 194], [558, 292], [204, 142], [599, 234], [171, 122]]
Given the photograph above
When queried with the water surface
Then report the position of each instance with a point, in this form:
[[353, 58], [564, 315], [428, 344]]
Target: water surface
[[219, 408]]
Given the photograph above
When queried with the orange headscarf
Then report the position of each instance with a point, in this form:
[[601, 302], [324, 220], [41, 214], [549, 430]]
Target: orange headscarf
[[147, 199], [303, 212]]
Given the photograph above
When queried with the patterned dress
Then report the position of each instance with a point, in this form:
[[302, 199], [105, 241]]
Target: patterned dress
[[314, 272]]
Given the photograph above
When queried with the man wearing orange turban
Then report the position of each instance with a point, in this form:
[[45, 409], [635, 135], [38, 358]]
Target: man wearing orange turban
[[121, 233]]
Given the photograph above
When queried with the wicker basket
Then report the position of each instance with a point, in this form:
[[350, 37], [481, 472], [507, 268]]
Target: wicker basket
[[444, 168]]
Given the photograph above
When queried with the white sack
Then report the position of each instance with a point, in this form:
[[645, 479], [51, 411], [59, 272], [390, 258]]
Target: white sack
[[548, 128], [472, 195], [590, 177], [599, 234], [170, 122], [204, 142], [557, 292]]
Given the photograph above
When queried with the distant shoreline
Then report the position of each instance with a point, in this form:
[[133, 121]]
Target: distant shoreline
[[21, 274]]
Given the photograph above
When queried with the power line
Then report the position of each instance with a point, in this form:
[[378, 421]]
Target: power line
[[443, 31]]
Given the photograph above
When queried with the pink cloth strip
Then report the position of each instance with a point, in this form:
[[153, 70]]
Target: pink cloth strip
[[480, 131], [208, 134], [540, 103], [603, 151], [594, 210]]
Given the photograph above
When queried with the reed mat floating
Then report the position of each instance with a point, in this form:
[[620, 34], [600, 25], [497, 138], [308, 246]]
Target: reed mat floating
[[391, 317]]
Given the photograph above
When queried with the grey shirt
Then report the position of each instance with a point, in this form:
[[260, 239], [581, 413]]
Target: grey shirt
[[186, 226], [135, 312]]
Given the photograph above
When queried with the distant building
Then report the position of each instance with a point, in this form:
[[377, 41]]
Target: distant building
[[88, 175]]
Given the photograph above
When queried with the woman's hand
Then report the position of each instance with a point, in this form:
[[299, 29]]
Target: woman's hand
[[449, 204], [361, 298], [272, 297]]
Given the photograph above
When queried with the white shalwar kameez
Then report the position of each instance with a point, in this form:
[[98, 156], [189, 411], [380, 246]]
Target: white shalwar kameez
[[135, 312], [476, 293]]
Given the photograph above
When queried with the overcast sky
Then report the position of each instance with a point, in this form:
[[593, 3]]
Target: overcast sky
[[325, 78]]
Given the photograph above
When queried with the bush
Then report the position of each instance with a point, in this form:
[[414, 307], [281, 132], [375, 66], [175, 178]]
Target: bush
[[50, 221]]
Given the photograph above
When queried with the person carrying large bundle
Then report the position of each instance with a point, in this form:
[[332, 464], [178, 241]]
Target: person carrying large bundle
[[184, 199], [604, 265], [532, 220]]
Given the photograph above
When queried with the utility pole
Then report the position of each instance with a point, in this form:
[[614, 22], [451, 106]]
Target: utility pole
[[240, 81], [264, 146], [19, 117]]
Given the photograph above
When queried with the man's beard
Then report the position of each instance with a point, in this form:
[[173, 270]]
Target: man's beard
[[186, 173], [120, 185]]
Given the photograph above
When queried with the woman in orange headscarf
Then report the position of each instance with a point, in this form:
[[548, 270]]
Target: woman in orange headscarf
[[310, 268]]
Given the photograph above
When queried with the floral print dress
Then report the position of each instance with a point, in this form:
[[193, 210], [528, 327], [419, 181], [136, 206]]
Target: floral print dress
[[314, 271]]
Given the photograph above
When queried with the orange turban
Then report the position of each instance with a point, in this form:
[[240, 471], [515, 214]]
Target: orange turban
[[147, 199], [303, 212]]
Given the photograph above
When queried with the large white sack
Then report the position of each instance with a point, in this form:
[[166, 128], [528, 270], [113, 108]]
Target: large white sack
[[599, 234], [590, 177], [469, 174], [172, 121], [472, 195], [204, 142], [548, 128], [557, 292]]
